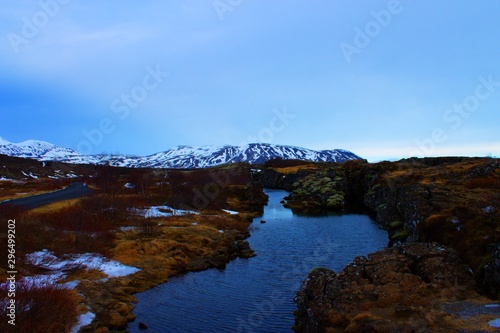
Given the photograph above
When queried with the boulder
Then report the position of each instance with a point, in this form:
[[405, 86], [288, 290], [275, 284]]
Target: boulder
[[401, 289]]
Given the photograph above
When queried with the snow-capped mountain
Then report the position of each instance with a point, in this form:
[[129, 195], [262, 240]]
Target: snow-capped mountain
[[179, 157], [38, 150]]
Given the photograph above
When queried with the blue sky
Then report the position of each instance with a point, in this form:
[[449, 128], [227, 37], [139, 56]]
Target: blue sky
[[385, 79]]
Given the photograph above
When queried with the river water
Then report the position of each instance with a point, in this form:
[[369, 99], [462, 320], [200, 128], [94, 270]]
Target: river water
[[256, 294]]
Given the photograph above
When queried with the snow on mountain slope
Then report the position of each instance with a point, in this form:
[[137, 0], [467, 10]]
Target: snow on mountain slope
[[39, 150], [3, 141], [178, 157]]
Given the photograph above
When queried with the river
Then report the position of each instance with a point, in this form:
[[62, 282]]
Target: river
[[256, 294]]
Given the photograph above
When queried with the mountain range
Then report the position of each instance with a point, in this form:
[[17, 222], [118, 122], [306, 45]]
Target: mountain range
[[178, 157]]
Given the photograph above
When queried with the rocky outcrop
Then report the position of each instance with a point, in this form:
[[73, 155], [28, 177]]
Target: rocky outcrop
[[411, 287], [415, 287], [454, 201]]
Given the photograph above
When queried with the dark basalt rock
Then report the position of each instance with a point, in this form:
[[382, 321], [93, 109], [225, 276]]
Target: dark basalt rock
[[401, 289]]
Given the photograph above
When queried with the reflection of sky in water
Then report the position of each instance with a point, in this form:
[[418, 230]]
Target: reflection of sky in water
[[257, 294]]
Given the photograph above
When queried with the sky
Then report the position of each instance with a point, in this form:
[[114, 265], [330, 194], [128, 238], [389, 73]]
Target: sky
[[385, 79]]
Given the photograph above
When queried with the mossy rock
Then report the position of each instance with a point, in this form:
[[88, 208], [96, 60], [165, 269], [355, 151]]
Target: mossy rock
[[396, 224], [335, 201], [401, 236]]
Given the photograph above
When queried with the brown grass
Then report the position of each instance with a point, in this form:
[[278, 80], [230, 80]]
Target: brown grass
[[41, 308], [297, 168], [56, 206], [483, 183], [20, 189]]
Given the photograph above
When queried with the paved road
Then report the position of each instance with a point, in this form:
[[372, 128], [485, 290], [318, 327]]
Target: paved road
[[75, 190]]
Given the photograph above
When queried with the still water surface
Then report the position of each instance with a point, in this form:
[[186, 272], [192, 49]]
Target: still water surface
[[256, 295]]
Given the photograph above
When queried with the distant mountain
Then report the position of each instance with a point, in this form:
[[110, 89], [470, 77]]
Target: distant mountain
[[38, 150], [179, 157]]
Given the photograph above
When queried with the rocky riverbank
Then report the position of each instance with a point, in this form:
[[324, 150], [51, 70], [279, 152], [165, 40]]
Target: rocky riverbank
[[415, 287], [180, 245], [161, 222], [451, 201], [173, 246]]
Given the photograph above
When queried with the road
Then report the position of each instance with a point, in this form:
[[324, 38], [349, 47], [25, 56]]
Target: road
[[75, 190]]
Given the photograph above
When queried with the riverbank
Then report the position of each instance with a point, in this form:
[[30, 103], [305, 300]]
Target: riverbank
[[179, 245], [127, 220], [452, 201], [256, 295], [414, 287]]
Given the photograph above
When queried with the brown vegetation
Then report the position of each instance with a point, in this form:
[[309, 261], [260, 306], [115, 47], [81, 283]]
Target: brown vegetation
[[160, 247], [41, 308]]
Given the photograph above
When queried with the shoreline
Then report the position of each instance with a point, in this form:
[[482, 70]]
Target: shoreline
[[113, 301]]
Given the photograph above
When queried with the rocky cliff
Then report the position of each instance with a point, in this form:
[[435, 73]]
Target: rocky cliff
[[415, 287], [452, 201]]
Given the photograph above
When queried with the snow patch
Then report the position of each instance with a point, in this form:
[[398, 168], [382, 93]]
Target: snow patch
[[127, 228], [164, 211], [489, 209], [46, 259], [84, 320], [494, 323], [231, 212], [4, 142]]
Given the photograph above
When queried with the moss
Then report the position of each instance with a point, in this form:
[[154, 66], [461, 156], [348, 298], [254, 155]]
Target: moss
[[335, 201], [402, 235], [396, 224]]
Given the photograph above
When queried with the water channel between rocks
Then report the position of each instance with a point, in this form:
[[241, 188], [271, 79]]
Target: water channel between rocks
[[256, 294]]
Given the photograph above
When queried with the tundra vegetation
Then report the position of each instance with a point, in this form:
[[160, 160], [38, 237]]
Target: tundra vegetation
[[112, 222], [451, 201]]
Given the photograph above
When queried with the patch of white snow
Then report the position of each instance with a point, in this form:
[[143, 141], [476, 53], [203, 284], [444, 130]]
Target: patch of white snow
[[494, 323], [84, 320], [232, 212]]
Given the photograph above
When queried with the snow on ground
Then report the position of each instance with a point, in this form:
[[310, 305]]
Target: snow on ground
[[489, 209], [46, 259], [163, 211], [232, 212], [495, 323], [3, 178], [129, 228], [492, 305], [83, 320]]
